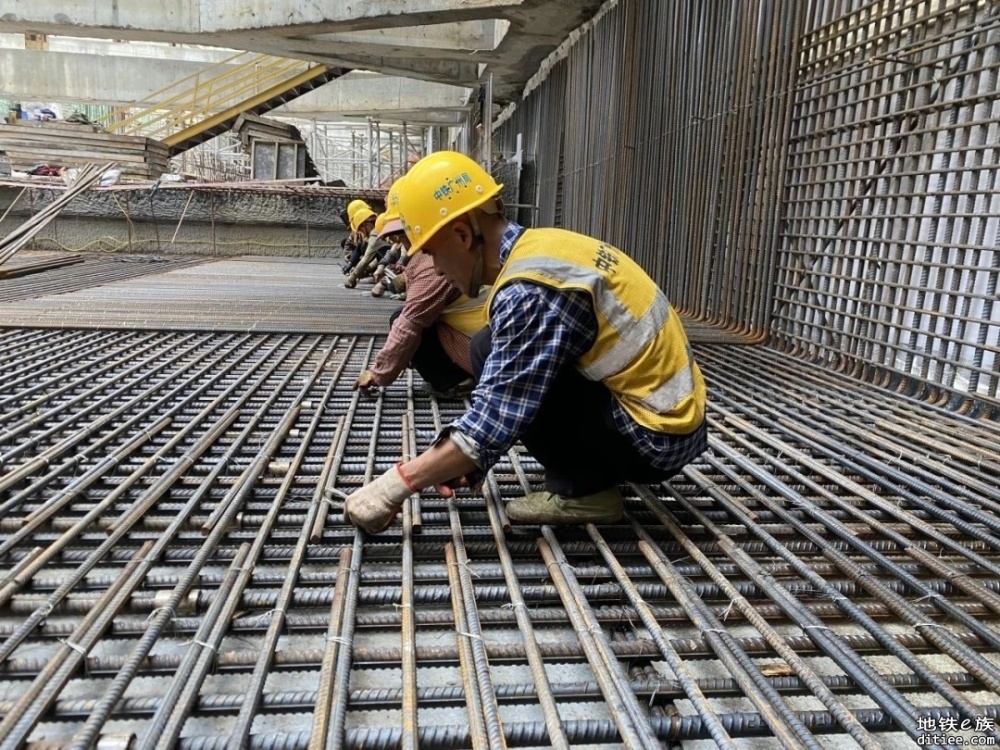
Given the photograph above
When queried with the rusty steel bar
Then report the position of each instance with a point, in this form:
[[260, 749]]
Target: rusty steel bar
[[334, 639]]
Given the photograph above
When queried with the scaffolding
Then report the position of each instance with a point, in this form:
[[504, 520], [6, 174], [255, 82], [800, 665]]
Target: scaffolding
[[369, 155]]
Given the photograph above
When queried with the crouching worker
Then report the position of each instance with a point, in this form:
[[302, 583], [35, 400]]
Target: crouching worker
[[584, 360], [354, 245], [363, 222], [431, 331]]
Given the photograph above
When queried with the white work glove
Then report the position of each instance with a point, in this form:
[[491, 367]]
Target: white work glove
[[374, 506]]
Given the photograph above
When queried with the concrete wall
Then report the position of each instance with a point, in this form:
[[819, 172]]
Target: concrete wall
[[215, 224], [193, 238]]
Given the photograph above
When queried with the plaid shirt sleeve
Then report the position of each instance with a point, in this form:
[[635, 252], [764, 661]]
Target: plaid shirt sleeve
[[427, 294], [535, 331]]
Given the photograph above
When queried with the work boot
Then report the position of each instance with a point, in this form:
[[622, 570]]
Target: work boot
[[549, 508]]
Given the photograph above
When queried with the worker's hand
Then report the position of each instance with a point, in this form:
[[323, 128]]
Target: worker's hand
[[374, 506], [367, 385], [447, 489], [472, 481]]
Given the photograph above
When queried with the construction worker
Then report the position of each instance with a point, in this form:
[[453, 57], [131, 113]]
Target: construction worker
[[353, 245], [389, 274], [432, 331], [376, 249], [584, 360], [363, 224]]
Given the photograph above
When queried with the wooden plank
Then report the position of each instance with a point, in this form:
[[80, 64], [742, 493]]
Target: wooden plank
[[18, 131], [48, 138], [36, 156]]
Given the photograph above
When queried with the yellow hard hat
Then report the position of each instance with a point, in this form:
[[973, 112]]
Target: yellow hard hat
[[359, 217], [380, 221], [439, 188], [392, 199], [354, 205]]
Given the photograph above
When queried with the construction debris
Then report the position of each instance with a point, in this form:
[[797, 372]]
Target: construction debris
[[88, 176]]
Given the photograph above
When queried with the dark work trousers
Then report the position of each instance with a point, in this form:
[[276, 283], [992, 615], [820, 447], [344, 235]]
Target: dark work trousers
[[431, 360], [356, 254], [575, 438]]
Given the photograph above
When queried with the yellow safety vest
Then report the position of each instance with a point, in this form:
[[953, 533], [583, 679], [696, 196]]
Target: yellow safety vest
[[466, 314], [641, 352]]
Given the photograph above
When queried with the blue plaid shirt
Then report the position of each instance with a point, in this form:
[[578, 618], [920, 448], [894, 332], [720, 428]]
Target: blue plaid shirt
[[520, 369]]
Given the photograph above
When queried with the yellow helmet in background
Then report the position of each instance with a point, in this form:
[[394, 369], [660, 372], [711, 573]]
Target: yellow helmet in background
[[380, 222], [392, 199], [439, 188], [354, 205], [359, 217]]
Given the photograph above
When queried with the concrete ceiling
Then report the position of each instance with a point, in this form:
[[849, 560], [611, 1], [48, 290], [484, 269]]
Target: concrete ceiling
[[454, 42], [80, 71]]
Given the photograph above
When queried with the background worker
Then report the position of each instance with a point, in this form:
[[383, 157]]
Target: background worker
[[390, 274], [431, 331], [353, 245], [377, 249], [584, 360], [363, 224]]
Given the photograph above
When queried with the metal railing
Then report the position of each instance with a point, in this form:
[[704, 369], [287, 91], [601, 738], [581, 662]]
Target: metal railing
[[232, 84]]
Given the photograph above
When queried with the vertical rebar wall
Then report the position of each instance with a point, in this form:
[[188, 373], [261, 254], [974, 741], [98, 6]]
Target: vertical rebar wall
[[888, 262], [823, 172]]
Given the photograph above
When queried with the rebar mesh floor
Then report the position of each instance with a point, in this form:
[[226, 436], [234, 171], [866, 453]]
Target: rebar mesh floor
[[249, 293], [92, 269], [178, 569], [275, 295]]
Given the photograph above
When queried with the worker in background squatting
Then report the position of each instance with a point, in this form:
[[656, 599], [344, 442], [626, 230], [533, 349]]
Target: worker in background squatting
[[354, 245], [363, 224], [432, 330], [584, 360]]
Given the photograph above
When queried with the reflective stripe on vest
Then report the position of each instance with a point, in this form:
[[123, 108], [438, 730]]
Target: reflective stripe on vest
[[635, 334], [640, 351], [667, 396]]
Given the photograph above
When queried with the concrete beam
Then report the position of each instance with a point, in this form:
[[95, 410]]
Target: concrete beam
[[465, 36], [58, 17], [385, 98], [448, 41], [426, 67], [145, 50], [537, 27], [342, 15], [67, 77]]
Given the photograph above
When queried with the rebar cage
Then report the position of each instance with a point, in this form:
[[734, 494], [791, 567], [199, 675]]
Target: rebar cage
[[823, 173]]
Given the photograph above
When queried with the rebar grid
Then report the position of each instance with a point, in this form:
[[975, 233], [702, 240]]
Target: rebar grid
[[888, 264], [248, 293], [681, 163], [94, 269], [176, 560], [824, 173]]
